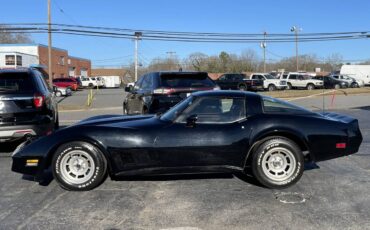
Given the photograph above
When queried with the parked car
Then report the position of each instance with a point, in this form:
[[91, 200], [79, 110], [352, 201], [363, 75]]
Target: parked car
[[92, 82], [111, 81], [332, 83], [158, 91], [66, 82], [61, 91], [352, 82], [212, 131], [238, 81], [27, 105], [297, 80], [270, 83]]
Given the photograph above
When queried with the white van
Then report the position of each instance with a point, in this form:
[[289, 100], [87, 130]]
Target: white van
[[358, 72]]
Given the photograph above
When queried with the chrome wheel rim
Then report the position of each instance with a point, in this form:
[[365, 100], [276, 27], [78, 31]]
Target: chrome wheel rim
[[77, 167], [278, 164]]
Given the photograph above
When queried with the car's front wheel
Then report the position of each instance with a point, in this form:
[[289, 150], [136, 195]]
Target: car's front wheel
[[310, 87], [79, 166], [271, 87], [278, 163]]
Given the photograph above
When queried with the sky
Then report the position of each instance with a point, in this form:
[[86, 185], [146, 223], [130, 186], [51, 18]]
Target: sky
[[229, 16]]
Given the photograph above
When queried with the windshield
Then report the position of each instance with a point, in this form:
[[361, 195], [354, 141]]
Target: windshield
[[175, 111]]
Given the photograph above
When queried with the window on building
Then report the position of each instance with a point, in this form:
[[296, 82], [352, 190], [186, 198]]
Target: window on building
[[69, 61], [9, 59], [19, 60], [61, 60]]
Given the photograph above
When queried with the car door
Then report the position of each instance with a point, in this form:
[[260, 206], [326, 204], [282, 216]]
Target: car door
[[293, 80], [219, 137]]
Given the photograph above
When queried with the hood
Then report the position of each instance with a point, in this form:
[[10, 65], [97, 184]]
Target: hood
[[112, 119]]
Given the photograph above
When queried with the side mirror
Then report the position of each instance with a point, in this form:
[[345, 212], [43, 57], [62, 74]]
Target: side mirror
[[191, 121], [128, 89]]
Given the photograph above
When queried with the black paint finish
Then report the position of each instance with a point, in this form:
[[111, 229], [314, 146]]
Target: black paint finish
[[151, 145]]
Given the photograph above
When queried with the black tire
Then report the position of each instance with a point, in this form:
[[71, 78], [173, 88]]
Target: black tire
[[144, 110], [355, 85], [95, 158], [58, 94], [263, 170], [310, 86], [91, 85], [271, 87], [125, 112], [242, 88], [289, 86], [336, 86]]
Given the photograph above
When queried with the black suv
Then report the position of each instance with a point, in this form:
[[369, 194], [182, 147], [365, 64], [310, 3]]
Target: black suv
[[332, 83], [239, 81], [158, 91], [27, 105]]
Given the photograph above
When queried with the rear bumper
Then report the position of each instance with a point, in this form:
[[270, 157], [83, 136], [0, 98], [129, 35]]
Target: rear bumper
[[13, 133]]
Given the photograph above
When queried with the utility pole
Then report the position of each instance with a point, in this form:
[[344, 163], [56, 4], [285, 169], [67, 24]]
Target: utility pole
[[49, 45], [170, 57], [263, 46], [295, 29], [137, 37]]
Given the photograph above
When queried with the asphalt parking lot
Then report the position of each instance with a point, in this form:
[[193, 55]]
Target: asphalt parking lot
[[330, 195]]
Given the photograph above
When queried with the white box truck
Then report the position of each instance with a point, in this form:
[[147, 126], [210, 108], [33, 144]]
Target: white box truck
[[111, 81], [358, 72]]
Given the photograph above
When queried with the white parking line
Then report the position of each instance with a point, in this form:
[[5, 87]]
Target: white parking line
[[313, 95]]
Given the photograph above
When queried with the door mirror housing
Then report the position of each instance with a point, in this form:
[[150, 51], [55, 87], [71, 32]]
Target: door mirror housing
[[191, 121], [128, 89]]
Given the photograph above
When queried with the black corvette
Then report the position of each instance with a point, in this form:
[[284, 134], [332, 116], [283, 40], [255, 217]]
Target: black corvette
[[211, 131]]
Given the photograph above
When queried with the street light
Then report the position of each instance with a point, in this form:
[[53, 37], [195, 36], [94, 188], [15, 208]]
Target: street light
[[296, 29]]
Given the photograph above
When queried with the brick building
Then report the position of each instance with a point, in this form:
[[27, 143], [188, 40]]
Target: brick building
[[24, 55]]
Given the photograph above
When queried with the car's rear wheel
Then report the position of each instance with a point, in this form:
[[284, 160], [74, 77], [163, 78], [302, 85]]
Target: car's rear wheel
[[271, 87], [58, 94], [278, 163], [336, 86], [79, 166], [355, 85]]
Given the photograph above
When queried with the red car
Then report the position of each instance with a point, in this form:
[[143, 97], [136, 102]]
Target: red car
[[66, 82]]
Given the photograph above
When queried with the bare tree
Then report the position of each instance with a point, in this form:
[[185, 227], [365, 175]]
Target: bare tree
[[9, 38]]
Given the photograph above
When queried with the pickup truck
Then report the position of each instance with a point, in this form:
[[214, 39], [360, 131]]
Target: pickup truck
[[300, 80], [269, 82], [238, 81]]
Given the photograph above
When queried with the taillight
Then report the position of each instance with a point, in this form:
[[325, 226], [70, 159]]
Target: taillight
[[163, 91], [38, 100]]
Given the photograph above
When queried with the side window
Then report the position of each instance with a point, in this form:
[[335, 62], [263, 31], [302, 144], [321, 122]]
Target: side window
[[293, 77], [222, 78], [285, 76], [216, 110], [147, 82], [139, 83], [260, 77]]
